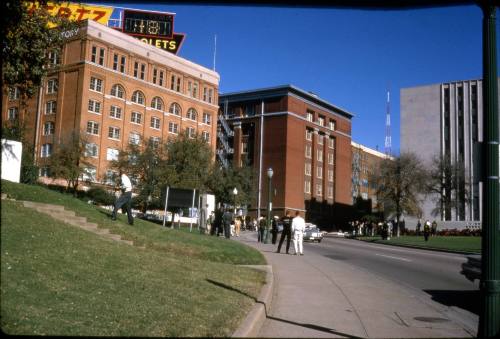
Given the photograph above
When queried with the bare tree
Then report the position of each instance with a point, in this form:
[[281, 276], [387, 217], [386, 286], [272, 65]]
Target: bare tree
[[448, 183], [399, 182]]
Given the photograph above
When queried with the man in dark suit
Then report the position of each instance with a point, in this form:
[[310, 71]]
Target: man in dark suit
[[227, 218], [287, 231]]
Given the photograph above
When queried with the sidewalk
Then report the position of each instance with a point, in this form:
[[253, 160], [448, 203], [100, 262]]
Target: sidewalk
[[314, 296]]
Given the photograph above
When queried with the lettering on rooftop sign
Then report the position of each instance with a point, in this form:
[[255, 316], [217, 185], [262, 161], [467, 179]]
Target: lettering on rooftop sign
[[75, 12]]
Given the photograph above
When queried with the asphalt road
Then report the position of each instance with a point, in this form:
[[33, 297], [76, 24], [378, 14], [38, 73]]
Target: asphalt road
[[435, 273]]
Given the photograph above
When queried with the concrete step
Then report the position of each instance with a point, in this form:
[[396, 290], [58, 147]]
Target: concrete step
[[32, 204], [57, 213]]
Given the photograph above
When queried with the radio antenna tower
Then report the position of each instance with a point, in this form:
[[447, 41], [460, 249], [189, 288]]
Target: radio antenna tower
[[388, 126], [215, 48]]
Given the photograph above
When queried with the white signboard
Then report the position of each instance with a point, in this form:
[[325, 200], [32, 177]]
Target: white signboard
[[11, 160]]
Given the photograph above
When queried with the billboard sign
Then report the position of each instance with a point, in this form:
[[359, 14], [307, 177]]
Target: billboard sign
[[76, 12]]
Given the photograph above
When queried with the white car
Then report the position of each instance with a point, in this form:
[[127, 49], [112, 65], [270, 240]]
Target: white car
[[313, 234]]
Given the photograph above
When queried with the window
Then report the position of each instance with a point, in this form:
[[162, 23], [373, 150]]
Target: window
[[53, 58], [321, 120], [155, 73], [13, 93], [94, 106], [331, 125], [96, 84], [191, 132], [331, 142], [52, 86], [89, 173], [205, 136], [136, 69], [110, 177], [308, 168], [136, 117], [244, 147], [155, 122], [330, 158], [154, 142], [122, 64], [50, 107], [319, 190], [330, 175], [307, 186], [112, 154], [191, 114], [207, 118], [319, 155], [205, 94], [101, 56], [160, 81], [143, 71], [115, 112], [93, 127], [175, 83], [91, 150], [210, 95], [309, 116], [116, 57], [319, 172], [330, 192], [320, 139], [193, 89], [157, 103], [13, 113], [175, 109], [117, 91], [114, 133], [308, 151], [309, 134], [173, 128], [134, 138], [49, 128], [46, 150], [93, 58], [138, 97], [45, 171]]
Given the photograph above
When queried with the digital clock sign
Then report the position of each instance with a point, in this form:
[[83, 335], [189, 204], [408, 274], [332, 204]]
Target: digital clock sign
[[148, 24]]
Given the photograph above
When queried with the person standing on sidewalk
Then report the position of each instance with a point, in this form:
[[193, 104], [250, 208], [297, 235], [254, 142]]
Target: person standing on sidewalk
[[124, 199], [262, 228], [237, 226], [298, 228], [427, 230], [227, 219], [287, 231]]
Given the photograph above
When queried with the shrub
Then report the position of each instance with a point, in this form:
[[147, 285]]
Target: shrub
[[100, 196]]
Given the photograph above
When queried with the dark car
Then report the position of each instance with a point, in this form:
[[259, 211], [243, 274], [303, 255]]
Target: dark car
[[472, 268]]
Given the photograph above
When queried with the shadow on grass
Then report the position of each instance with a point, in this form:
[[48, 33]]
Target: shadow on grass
[[467, 300], [310, 326]]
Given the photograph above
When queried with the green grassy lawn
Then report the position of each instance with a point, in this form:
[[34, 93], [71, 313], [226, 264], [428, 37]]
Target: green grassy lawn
[[450, 243], [60, 280]]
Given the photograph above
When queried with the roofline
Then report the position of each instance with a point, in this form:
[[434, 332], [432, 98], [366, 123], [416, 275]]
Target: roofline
[[268, 92]]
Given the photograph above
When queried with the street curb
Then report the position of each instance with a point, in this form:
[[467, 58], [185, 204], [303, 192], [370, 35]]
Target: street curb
[[250, 326]]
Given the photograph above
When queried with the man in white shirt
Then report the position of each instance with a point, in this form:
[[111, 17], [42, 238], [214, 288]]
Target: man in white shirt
[[124, 199], [298, 228]]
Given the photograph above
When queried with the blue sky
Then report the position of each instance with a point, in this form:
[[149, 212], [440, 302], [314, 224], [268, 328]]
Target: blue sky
[[347, 57]]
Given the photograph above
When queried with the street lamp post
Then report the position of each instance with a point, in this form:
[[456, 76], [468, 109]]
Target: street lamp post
[[235, 192], [269, 205]]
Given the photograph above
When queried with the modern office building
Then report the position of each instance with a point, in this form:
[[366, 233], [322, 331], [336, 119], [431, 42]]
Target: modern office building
[[364, 162], [115, 89], [303, 138], [446, 120]]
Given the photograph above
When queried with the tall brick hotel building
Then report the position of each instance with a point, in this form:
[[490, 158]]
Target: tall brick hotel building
[[303, 138], [116, 90]]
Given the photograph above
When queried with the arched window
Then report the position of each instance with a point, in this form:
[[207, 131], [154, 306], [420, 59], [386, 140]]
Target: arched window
[[175, 109], [157, 103], [138, 97], [118, 91], [191, 114]]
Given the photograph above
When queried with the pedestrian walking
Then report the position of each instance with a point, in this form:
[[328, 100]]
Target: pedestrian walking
[[227, 219], [274, 230], [298, 228], [427, 230], [434, 227], [218, 221], [419, 226], [287, 231], [237, 226], [125, 198], [262, 228]]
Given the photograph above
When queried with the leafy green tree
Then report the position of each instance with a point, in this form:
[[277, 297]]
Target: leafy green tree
[[222, 181], [399, 183]]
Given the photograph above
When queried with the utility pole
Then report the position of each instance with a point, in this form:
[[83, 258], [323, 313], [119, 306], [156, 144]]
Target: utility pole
[[489, 318]]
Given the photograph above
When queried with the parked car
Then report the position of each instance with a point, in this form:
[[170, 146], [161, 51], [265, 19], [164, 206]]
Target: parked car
[[313, 234], [472, 268]]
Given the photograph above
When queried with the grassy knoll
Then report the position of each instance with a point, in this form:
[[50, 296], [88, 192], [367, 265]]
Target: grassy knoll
[[60, 280], [449, 243]]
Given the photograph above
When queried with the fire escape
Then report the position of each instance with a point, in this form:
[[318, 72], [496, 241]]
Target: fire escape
[[224, 132]]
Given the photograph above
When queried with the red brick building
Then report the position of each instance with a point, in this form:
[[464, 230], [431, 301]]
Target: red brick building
[[115, 90], [304, 139]]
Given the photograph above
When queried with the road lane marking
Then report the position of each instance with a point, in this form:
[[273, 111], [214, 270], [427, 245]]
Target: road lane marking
[[390, 256]]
